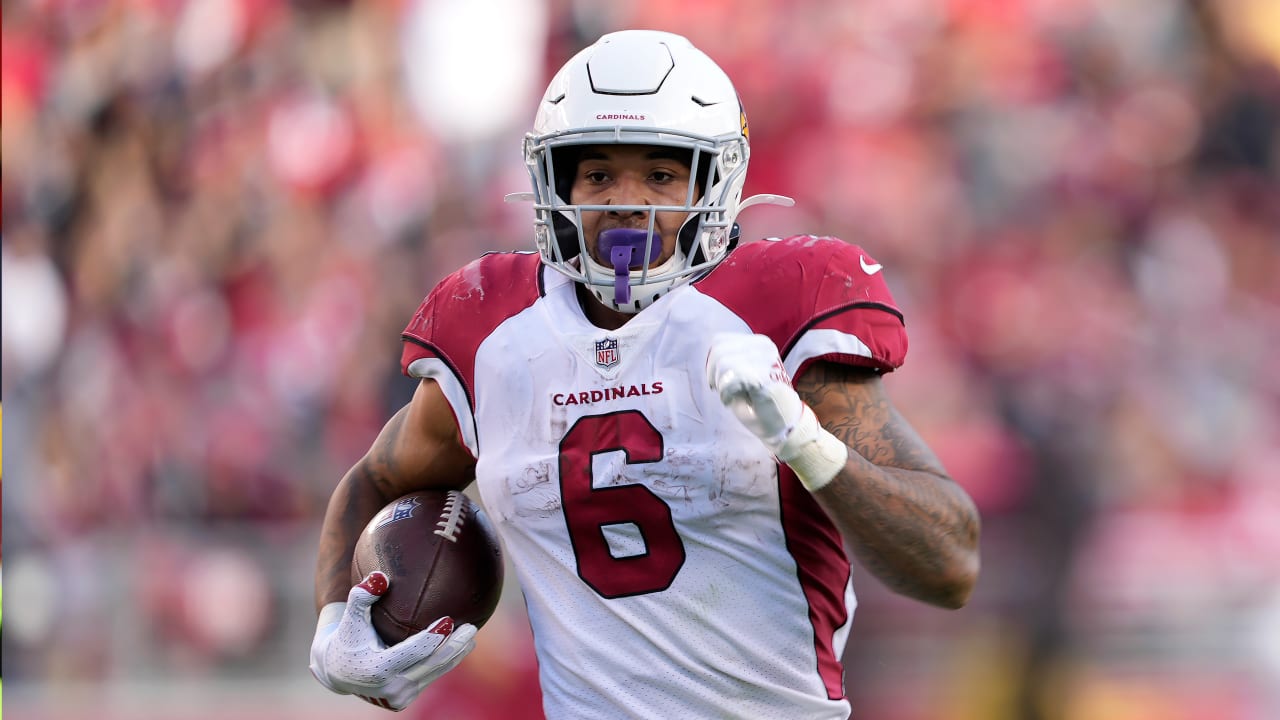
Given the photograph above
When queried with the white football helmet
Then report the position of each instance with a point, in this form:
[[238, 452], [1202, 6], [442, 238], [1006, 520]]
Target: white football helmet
[[649, 88]]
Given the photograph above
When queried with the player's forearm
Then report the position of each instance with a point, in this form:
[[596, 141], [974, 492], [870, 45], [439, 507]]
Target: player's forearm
[[900, 513], [915, 530], [354, 502], [416, 450]]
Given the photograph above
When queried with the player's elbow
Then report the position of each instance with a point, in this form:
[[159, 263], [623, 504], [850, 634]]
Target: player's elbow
[[956, 584], [963, 563]]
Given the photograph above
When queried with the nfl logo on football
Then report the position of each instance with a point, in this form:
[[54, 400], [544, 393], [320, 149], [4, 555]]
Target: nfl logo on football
[[403, 509], [607, 352]]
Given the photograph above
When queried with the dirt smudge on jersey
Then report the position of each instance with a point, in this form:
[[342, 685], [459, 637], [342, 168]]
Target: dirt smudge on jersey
[[533, 494]]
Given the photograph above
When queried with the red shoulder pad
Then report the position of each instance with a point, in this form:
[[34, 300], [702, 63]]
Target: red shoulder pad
[[786, 287], [465, 307]]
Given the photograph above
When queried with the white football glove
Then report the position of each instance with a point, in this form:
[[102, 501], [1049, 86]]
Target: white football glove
[[349, 658], [747, 372]]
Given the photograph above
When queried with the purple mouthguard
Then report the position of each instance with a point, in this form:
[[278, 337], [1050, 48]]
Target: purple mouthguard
[[625, 249]]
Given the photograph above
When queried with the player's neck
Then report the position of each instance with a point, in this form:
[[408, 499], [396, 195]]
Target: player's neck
[[597, 313]]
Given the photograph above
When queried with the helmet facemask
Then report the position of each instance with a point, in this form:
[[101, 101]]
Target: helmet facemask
[[704, 237]]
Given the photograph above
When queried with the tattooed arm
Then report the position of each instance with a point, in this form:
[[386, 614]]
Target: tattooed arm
[[909, 523], [417, 449]]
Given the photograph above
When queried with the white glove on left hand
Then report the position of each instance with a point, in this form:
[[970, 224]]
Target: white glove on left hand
[[748, 374], [349, 658]]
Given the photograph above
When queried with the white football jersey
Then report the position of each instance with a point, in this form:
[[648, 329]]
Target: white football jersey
[[672, 568]]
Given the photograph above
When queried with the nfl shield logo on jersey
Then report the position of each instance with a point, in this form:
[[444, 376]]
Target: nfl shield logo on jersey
[[607, 352]]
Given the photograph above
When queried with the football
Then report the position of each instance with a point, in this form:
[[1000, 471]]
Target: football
[[441, 556]]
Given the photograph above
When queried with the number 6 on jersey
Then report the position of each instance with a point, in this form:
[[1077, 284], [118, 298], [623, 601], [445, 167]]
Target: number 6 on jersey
[[589, 509]]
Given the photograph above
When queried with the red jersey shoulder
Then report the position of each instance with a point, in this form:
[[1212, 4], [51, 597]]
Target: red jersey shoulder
[[781, 286], [465, 307]]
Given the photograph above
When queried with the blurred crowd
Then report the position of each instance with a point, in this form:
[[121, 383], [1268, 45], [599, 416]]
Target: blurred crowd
[[219, 214]]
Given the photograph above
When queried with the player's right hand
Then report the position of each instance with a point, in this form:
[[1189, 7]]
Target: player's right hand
[[349, 658]]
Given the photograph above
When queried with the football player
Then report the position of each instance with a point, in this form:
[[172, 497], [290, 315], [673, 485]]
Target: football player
[[678, 435]]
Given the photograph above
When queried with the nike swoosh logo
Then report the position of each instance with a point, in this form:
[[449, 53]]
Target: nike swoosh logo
[[871, 269]]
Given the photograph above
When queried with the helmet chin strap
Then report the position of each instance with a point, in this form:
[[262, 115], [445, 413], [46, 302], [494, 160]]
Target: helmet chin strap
[[625, 248]]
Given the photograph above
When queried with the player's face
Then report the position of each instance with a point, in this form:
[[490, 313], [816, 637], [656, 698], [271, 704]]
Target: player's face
[[631, 175]]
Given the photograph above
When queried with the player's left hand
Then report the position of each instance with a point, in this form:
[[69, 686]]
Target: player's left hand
[[747, 372]]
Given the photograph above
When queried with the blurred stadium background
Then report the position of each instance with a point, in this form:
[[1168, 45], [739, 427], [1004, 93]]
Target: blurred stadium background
[[219, 214]]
